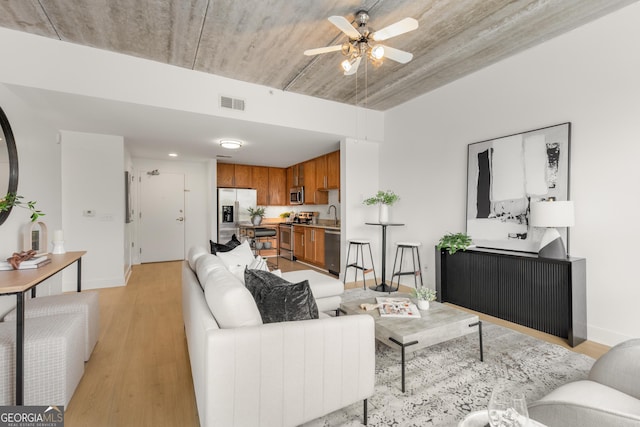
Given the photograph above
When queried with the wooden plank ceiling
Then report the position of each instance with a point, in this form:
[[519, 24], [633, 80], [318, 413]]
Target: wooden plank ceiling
[[262, 41]]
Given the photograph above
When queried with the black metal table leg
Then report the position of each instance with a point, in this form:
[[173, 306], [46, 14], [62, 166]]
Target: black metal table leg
[[479, 324], [79, 274], [20, 349], [403, 347], [366, 416]]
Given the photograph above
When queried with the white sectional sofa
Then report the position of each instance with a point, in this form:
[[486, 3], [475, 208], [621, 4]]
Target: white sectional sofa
[[247, 373]]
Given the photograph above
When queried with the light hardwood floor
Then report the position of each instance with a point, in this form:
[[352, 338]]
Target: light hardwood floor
[[139, 372]]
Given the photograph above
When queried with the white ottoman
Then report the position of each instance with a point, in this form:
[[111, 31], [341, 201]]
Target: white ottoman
[[326, 290], [53, 359], [85, 303]]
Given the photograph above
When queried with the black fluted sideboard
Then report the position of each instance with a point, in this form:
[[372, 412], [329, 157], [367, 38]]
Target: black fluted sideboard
[[544, 294]]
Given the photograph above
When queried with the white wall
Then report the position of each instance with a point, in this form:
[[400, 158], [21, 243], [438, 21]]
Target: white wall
[[196, 199], [588, 77], [93, 179], [39, 180]]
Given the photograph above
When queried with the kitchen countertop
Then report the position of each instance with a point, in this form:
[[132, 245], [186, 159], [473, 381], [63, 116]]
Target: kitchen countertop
[[326, 227]]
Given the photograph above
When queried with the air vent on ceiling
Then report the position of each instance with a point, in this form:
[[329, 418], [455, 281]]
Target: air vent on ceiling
[[232, 103], [222, 156]]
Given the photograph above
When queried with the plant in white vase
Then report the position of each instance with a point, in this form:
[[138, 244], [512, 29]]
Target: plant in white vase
[[383, 199], [424, 295], [256, 215]]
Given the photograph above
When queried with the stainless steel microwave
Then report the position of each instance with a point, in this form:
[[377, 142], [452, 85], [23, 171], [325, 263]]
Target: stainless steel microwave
[[296, 196]]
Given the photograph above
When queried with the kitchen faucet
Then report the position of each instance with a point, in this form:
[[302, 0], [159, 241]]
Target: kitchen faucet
[[335, 214]]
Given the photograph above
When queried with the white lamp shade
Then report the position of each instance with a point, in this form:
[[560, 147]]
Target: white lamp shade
[[552, 214]]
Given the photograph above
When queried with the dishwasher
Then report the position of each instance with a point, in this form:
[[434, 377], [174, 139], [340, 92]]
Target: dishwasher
[[332, 251]]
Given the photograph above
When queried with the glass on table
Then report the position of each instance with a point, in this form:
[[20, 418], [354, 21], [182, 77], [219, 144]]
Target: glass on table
[[507, 408]]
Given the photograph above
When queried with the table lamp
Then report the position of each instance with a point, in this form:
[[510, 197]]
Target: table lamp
[[552, 214]]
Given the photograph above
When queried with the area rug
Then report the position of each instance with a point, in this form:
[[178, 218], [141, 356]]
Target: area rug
[[446, 382]]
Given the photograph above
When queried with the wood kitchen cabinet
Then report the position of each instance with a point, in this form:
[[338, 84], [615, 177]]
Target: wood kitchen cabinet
[[260, 181], [298, 242], [278, 187], [308, 245], [312, 195], [333, 170], [234, 176]]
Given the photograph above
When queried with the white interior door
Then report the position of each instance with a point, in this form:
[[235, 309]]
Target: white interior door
[[161, 217]]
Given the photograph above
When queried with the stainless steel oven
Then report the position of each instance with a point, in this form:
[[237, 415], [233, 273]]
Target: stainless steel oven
[[285, 242], [296, 196]]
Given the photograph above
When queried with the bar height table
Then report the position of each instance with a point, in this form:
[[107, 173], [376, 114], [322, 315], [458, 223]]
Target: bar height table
[[18, 282], [383, 287]]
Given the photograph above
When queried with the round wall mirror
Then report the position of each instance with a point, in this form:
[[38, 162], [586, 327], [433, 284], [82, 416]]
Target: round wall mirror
[[8, 162]]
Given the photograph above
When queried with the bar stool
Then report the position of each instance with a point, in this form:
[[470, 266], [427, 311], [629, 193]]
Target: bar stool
[[414, 247], [358, 264]]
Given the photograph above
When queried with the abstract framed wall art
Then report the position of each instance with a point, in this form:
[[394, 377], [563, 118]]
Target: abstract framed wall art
[[506, 174]]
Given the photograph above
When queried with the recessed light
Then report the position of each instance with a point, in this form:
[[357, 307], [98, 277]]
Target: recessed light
[[173, 154], [230, 144]]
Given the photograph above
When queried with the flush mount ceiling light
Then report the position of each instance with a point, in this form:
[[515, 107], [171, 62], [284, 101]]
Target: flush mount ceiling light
[[173, 154], [363, 42], [230, 144]]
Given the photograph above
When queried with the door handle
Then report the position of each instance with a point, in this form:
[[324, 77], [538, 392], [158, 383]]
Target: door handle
[[181, 218]]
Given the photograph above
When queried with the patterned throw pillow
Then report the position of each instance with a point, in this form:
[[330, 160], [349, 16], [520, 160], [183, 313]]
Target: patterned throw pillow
[[226, 247], [279, 300]]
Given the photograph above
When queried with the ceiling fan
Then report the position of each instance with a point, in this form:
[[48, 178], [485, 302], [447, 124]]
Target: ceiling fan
[[363, 42]]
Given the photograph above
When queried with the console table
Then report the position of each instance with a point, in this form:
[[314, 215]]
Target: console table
[[18, 282], [541, 293]]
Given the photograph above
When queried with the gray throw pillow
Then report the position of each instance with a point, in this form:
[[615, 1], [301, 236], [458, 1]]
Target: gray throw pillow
[[279, 300], [226, 247]]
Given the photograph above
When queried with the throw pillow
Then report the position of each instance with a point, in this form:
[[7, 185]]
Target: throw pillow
[[258, 263], [226, 247], [279, 300], [240, 255]]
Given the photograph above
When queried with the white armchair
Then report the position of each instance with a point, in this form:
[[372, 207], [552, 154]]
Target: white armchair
[[609, 397]]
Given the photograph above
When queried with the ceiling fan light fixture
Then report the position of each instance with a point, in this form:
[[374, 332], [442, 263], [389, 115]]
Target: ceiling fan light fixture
[[346, 65], [377, 52], [230, 144]]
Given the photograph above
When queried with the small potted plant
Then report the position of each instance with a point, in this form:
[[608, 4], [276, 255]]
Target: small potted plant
[[285, 216], [257, 214], [383, 199], [454, 242], [424, 295]]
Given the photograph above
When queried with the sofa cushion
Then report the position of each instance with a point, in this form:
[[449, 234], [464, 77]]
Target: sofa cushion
[[205, 265], [224, 247], [322, 285], [240, 255], [194, 253], [229, 301], [279, 300]]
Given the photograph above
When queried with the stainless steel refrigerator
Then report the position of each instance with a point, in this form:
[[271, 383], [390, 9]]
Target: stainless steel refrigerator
[[232, 210]]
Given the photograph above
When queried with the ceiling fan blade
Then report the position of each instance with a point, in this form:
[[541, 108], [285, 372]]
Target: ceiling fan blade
[[354, 67], [345, 26], [397, 55], [319, 50], [400, 27]]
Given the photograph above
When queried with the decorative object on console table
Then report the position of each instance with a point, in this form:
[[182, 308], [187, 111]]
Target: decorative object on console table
[[552, 214], [541, 293], [383, 199], [504, 175], [58, 243], [35, 238], [454, 242]]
